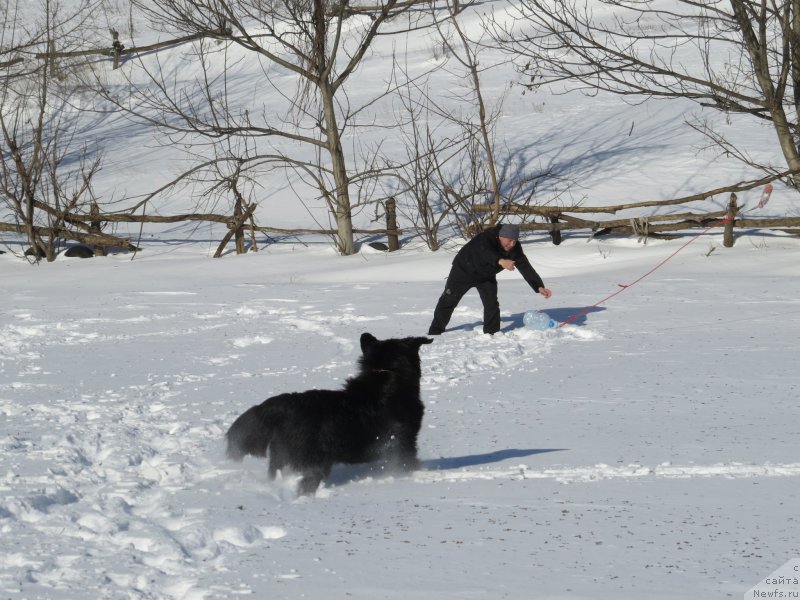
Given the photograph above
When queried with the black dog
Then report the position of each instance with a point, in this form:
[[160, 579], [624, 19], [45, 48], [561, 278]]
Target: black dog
[[377, 416]]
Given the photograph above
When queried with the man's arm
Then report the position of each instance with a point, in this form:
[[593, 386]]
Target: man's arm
[[530, 275]]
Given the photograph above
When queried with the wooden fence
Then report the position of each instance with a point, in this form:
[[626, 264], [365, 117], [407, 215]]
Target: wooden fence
[[88, 228], [563, 218]]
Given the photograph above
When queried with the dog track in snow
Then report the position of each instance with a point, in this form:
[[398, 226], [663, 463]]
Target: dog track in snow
[[97, 470], [458, 355], [110, 490]]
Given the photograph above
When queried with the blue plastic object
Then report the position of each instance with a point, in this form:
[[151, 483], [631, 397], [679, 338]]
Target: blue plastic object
[[533, 319]]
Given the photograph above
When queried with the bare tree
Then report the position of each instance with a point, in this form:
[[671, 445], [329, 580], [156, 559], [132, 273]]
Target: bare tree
[[45, 174], [318, 43], [465, 51], [450, 167], [427, 152], [737, 56]]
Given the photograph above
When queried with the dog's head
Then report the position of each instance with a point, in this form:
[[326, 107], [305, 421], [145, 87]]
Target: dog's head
[[394, 354]]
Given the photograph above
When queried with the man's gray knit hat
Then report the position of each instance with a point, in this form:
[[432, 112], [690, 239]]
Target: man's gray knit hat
[[509, 231]]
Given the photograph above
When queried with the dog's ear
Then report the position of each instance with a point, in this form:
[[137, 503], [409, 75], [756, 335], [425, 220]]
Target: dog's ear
[[419, 341], [367, 341]]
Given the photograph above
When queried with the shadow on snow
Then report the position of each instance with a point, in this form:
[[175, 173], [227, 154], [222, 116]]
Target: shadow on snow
[[474, 460], [560, 315], [344, 474]]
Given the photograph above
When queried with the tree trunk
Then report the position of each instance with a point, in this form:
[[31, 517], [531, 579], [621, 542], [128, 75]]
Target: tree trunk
[[773, 96], [795, 55], [333, 142], [471, 61], [344, 217], [487, 143], [727, 237], [788, 146]]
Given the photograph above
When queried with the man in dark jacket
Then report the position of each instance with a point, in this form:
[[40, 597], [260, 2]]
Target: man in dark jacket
[[476, 266]]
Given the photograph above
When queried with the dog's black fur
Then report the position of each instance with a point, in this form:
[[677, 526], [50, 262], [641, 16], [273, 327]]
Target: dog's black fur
[[377, 416]]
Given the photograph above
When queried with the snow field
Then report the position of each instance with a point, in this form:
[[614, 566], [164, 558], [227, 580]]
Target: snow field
[[643, 448]]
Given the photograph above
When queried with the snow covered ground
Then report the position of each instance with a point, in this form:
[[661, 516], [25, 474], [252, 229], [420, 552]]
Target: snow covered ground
[[649, 449]]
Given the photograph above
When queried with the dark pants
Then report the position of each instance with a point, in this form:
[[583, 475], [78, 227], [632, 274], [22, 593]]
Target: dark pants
[[458, 284]]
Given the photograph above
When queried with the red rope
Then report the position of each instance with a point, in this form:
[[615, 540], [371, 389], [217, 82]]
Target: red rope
[[658, 266]]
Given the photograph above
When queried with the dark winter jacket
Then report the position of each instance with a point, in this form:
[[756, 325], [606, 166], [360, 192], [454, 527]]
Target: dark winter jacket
[[478, 259]]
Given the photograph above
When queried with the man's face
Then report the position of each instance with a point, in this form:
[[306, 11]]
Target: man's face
[[507, 243]]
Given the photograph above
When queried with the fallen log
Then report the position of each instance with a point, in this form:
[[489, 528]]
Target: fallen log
[[97, 239]]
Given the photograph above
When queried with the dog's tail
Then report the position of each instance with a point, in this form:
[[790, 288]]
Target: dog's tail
[[249, 434]]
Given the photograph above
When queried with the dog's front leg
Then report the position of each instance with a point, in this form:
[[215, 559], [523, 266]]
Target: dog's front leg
[[311, 479], [404, 452]]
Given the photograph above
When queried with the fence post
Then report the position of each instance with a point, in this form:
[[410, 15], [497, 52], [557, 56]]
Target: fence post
[[96, 227], [253, 240], [116, 46], [727, 238], [391, 225], [239, 233], [555, 232], [51, 57]]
